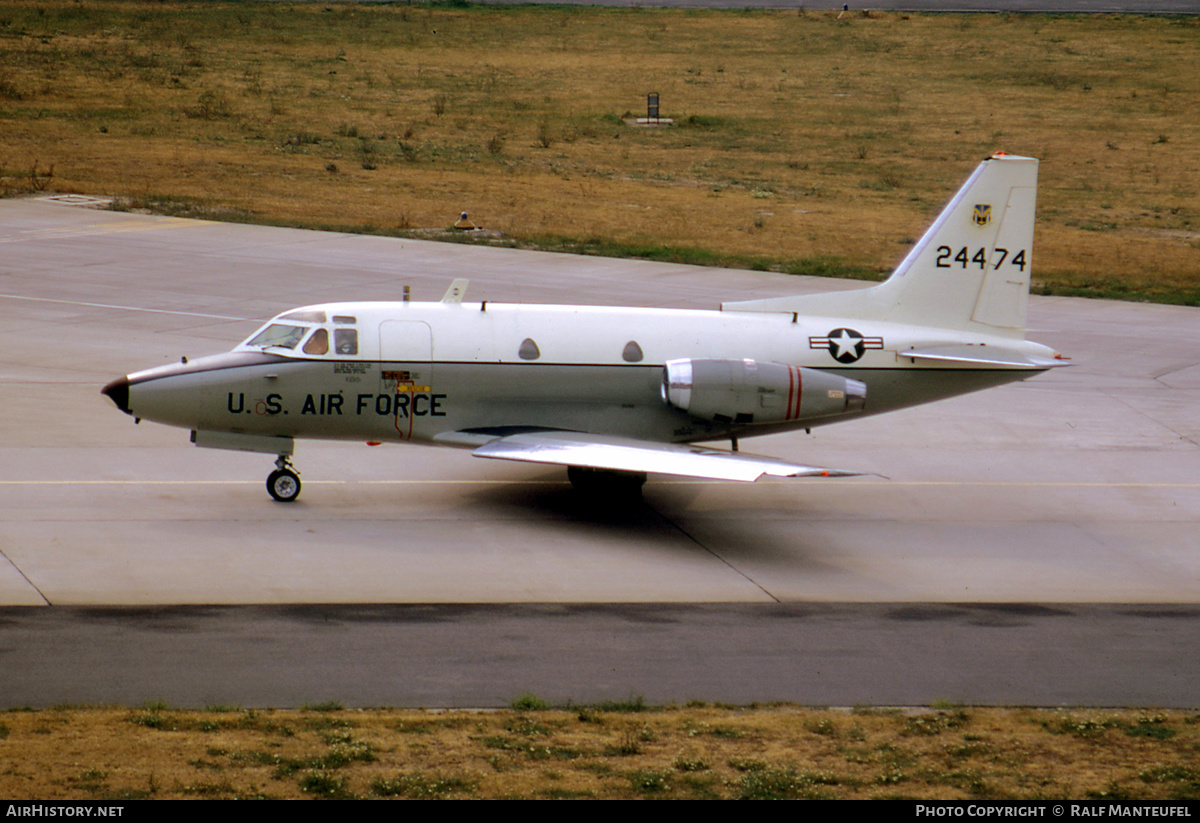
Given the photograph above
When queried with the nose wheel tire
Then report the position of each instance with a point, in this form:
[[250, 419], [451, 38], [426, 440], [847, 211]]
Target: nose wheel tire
[[283, 485]]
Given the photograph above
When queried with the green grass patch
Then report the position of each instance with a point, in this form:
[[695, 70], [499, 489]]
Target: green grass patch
[[529, 703], [418, 786]]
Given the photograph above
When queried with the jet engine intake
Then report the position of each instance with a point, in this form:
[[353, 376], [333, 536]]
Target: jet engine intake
[[747, 392]]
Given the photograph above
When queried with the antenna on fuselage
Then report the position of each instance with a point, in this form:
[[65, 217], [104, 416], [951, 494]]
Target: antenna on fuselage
[[457, 289]]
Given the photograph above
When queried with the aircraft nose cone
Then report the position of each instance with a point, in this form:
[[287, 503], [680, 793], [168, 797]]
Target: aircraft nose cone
[[118, 392]]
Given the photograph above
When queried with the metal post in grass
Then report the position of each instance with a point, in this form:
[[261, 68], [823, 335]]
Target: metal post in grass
[[652, 117]]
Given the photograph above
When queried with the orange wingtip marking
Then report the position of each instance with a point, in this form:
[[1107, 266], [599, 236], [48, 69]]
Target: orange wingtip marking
[[374, 442]]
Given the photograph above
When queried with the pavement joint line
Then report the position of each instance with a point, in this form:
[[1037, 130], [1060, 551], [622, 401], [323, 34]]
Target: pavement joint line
[[122, 308], [713, 553], [25, 577]]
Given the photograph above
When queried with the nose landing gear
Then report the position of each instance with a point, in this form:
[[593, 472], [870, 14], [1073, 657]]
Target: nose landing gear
[[283, 484]]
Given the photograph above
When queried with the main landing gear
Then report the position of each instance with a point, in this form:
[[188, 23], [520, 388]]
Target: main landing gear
[[605, 485], [284, 483]]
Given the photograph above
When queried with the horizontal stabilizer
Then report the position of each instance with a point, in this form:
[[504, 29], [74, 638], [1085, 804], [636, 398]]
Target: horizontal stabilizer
[[984, 356], [594, 451]]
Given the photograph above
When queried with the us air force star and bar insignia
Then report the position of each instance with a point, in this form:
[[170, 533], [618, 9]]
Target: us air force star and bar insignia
[[982, 214], [845, 345]]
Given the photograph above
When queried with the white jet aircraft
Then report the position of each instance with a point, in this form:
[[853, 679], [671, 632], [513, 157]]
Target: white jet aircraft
[[613, 393]]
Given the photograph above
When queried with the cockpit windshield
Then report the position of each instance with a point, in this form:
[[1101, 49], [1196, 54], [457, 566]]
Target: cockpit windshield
[[306, 331], [278, 335]]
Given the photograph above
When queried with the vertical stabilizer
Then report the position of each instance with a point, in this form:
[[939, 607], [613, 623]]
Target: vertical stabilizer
[[971, 269]]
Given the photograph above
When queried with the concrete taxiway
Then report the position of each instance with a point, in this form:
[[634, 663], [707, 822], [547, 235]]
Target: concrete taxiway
[[1078, 486]]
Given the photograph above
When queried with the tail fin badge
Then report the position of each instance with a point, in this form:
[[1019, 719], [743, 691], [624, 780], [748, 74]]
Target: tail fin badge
[[845, 345], [982, 215]]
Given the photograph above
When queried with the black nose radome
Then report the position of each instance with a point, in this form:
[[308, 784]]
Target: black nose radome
[[118, 392]]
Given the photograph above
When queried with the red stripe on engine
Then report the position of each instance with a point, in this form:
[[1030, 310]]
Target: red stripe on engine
[[791, 388], [799, 386]]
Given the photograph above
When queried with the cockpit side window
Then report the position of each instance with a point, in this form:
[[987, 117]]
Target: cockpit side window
[[345, 341], [318, 343], [278, 335]]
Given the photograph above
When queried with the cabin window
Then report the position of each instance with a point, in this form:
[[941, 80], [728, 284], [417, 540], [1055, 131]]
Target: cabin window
[[279, 335], [344, 318], [632, 352], [318, 343], [345, 341], [529, 350]]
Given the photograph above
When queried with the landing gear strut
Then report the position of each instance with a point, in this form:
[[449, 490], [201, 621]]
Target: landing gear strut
[[284, 483]]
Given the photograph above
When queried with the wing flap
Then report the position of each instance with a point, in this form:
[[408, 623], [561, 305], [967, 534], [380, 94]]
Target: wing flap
[[564, 448]]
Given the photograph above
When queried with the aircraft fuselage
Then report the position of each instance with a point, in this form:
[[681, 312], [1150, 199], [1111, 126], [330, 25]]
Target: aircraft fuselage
[[432, 371]]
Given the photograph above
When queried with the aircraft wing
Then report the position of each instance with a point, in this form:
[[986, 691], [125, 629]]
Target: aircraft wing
[[598, 451]]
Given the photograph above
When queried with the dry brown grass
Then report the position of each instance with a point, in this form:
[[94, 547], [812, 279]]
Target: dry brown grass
[[803, 141], [701, 752]]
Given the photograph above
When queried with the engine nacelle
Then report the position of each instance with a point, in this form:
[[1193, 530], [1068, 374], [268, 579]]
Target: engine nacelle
[[746, 392]]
